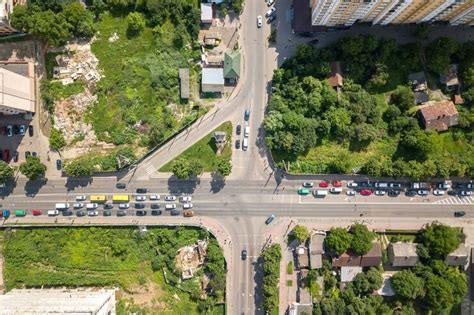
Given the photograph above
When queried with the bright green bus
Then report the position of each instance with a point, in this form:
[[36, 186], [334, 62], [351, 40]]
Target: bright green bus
[[20, 213]]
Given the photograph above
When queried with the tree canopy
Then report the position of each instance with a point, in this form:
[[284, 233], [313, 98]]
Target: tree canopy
[[362, 240], [6, 172], [300, 232], [439, 239], [271, 277], [338, 240], [185, 169], [33, 168], [407, 285]]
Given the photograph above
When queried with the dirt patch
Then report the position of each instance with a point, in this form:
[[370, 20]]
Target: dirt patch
[[146, 295]]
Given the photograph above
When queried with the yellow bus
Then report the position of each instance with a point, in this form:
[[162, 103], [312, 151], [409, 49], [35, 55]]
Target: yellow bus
[[98, 198], [121, 198]]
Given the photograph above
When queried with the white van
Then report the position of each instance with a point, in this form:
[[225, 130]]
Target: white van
[[53, 213], [91, 206], [335, 190], [245, 144], [246, 131], [320, 193], [62, 206]]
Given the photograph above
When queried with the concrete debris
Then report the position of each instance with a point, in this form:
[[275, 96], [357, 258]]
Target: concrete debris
[[113, 38], [190, 258], [80, 65]]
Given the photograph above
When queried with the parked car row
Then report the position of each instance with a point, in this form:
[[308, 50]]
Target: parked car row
[[21, 130], [7, 157], [92, 213]]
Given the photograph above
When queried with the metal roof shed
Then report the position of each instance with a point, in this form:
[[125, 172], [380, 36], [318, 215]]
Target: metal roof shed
[[212, 80]]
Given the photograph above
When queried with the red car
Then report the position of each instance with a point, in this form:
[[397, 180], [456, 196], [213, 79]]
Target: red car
[[6, 155], [337, 183], [366, 192], [323, 184], [37, 212]]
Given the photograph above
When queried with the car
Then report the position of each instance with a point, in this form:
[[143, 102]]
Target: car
[[170, 198], [366, 192], [52, 213], [247, 111], [410, 193], [185, 199], [121, 213], [270, 2], [30, 131], [92, 206], [36, 212], [237, 144], [81, 198], [336, 183], [187, 206], [303, 191], [140, 198], [6, 155], [141, 190], [323, 184], [107, 213], [465, 193], [81, 213], [444, 186], [269, 219], [188, 213], [457, 185], [470, 185], [9, 130], [351, 193], [155, 206], [379, 193], [108, 205], [238, 129], [259, 21], [243, 254], [120, 185], [395, 185], [78, 205], [452, 193], [246, 132], [139, 205], [271, 18], [27, 154], [174, 212], [335, 190], [124, 206], [21, 130], [270, 12], [308, 184], [15, 156], [67, 213], [381, 185], [156, 212], [352, 184], [92, 213], [423, 192], [59, 164], [458, 214], [393, 193], [365, 184], [34, 154], [438, 192], [140, 213], [155, 197], [170, 206]]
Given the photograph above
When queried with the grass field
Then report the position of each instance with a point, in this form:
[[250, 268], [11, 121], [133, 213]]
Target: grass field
[[205, 150], [118, 257]]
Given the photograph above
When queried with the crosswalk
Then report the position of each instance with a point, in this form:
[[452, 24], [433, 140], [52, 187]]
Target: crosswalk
[[150, 169], [456, 200]]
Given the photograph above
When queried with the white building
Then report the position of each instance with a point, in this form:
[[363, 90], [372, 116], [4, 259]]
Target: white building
[[17, 88]]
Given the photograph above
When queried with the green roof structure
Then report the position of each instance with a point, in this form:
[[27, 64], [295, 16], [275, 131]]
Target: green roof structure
[[232, 65]]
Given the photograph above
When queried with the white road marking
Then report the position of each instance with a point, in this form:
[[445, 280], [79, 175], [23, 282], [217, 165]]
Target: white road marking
[[456, 200], [150, 169]]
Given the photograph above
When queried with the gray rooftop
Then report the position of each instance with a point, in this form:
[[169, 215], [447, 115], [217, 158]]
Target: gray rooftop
[[184, 82], [213, 76], [316, 249], [348, 273]]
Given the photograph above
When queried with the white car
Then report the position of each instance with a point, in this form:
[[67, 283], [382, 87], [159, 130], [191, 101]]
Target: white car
[[470, 185], [423, 192], [438, 192], [185, 198], [155, 197], [379, 192], [465, 193], [93, 213], [270, 2], [170, 206], [259, 21], [352, 184], [351, 193], [78, 205], [170, 198], [53, 213], [444, 186], [140, 198], [124, 206], [91, 206], [81, 198], [270, 12], [187, 206]]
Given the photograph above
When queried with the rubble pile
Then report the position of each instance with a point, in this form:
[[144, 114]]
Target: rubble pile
[[190, 258], [80, 65]]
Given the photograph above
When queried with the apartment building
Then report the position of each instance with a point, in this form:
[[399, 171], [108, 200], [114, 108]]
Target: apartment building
[[383, 12]]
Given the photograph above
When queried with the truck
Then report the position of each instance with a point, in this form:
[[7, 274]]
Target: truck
[[320, 193]]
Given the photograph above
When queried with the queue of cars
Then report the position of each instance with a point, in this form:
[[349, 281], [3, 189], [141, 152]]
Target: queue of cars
[[270, 14]]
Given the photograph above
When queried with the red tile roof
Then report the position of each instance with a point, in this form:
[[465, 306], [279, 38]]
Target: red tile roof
[[335, 79], [439, 115]]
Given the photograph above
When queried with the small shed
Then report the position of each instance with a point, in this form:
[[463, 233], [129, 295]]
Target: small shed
[[459, 257], [302, 257], [450, 78], [418, 81], [335, 78], [212, 80], [421, 97], [206, 13], [184, 82], [232, 66]]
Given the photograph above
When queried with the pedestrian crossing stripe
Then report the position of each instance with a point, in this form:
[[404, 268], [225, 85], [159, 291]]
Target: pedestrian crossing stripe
[[150, 169], [456, 200]]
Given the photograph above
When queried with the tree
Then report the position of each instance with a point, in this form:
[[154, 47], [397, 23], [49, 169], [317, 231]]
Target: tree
[[271, 277], [339, 240], [362, 239], [440, 239], [56, 139], [50, 27], [81, 19], [300, 232], [196, 168], [33, 168], [403, 98], [366, 283], [439, 52], [407, 285], [135, 22], [79, 167], [6, 172], [223, 167], [438, 295], [181, 168]]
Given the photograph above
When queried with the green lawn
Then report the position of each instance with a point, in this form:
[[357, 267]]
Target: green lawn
[[205, 150]]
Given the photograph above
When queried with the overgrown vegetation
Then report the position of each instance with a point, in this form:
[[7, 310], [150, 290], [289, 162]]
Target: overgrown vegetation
[[370, 127], [358, 238], [116, 257], [271, 277]]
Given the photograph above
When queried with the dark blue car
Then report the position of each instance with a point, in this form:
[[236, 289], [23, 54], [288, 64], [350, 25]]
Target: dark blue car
[[58, 164]]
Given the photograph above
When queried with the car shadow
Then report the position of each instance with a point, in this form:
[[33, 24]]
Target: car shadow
[[217, 183], [182, 186], [32, 187], [73, 182]]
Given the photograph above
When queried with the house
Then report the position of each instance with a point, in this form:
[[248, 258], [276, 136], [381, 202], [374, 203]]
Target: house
[[450, 78], [302, 257], [17, 88], [459, 257], [184, 82], [373, 257], [214, 61], [303, 296], [212, 80], [347, 259], [206, 13], [232, 67], [335, 78], [402, 254], [438, 116], [316, 249], [419, 86]]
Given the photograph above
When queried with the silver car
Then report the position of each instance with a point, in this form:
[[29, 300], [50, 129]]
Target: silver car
[[170, 198], [140, 198], [124, 206]]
